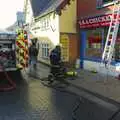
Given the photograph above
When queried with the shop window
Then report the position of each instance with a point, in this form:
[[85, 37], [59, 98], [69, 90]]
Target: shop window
[[94, 43], [45, 50], [96, 40]]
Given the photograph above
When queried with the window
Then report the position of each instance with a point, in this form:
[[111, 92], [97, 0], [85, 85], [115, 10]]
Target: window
[[96, 39], [107, 1], [47, 23], [104, 3], [94, 46], [44, 24], [45, 50]]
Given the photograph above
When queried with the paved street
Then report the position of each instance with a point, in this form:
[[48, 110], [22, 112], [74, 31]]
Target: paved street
[[34, 101]]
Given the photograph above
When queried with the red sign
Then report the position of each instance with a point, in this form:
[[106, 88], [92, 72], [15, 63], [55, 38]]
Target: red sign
[[94, 39], [97, 21]]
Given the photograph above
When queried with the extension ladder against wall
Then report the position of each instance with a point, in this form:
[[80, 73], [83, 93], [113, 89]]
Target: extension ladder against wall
[[112, 34]]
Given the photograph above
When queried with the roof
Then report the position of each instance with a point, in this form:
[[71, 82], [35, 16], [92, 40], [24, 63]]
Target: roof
[[42, 7]]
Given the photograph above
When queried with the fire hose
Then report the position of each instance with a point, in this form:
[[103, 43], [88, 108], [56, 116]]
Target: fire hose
[[7, 87]]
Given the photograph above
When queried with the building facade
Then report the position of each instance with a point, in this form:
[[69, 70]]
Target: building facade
[[68, 33], [20, 20], [93, 24], [53, 22]]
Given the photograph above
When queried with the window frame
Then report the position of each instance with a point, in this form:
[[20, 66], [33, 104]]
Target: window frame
[[97, 59], [102, 42], [45, 50], [102, 5]]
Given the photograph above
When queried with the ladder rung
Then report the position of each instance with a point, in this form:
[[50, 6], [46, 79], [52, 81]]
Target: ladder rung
[[114, 21], [112, 26], [110, 38], [109, 42], [112, 33], [116, 10], [107, 50]]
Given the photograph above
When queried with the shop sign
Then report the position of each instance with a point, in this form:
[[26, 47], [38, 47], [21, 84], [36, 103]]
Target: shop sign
[[97, 21]]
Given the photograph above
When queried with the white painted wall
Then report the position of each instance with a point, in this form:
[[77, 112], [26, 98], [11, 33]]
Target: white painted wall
[[53, 35], [68, 18], [90, 65], [29, 12]]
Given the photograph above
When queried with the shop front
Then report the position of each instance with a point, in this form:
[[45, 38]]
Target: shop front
[[93, 33]]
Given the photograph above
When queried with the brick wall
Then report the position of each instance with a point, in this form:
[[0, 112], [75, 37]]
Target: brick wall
[[88, 8], [73, 48]]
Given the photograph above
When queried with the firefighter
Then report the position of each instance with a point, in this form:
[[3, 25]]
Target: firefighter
[[55, 61]]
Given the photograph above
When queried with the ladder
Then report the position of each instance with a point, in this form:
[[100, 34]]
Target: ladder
[[112, 35]]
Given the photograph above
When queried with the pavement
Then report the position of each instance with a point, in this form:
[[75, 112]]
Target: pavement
[[105, 86], [101, 85]]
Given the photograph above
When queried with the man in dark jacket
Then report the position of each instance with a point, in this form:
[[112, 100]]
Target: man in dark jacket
[[55, 56], [33, 53]]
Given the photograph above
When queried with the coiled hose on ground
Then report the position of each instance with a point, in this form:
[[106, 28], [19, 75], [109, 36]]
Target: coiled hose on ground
[[12, 84]]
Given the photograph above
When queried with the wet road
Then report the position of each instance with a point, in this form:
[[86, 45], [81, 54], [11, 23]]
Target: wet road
[[34, 101]]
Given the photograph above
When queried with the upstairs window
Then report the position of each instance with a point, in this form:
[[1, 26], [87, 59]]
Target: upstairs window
[[107, 1], [104, 3]]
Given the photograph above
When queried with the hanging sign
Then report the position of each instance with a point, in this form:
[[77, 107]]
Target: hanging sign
[[96, 21]]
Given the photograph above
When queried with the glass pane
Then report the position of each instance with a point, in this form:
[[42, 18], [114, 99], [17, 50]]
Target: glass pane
[[94, 43], [107, 1], [42, 52], [99, 3], [47, 52]]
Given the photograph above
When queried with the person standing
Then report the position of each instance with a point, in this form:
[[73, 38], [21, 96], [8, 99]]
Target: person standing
[[55, 55], [55, 61], [33, 54]]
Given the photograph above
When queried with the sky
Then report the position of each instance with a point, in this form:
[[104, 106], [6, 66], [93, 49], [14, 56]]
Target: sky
[[8, 9]]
